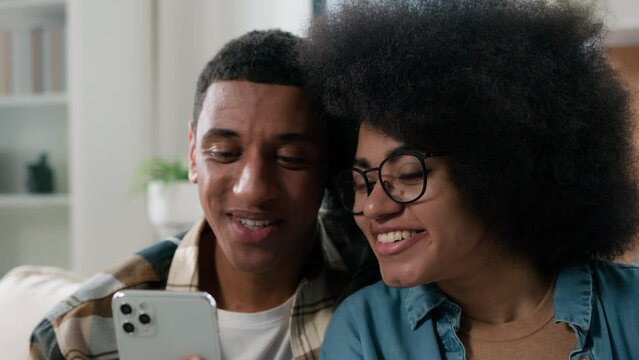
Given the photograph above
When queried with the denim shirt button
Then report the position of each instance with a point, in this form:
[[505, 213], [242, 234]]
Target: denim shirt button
[[584, 357]]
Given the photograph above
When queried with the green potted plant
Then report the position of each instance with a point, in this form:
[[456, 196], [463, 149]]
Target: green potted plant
[[172, 201]]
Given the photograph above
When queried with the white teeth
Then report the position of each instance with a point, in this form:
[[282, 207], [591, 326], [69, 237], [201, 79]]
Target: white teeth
[[394, 236], [254, 224]]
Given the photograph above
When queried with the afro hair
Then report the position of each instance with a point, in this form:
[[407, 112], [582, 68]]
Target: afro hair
[[519, 89]]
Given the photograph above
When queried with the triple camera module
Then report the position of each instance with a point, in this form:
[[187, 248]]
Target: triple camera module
[[128, 327]]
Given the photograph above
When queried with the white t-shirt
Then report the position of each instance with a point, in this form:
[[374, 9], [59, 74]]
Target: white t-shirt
[[261, 335]]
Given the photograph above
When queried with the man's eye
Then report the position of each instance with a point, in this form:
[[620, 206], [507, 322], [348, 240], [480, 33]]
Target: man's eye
[[225, 156], [292, 162]]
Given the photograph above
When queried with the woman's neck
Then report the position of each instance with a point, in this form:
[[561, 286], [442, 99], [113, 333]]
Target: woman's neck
[[504, 289]]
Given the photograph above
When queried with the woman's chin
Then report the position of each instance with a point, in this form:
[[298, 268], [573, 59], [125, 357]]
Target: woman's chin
[[399, 280]]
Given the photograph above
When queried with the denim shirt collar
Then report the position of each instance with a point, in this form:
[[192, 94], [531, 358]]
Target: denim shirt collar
[[420, 301], [572, 300]]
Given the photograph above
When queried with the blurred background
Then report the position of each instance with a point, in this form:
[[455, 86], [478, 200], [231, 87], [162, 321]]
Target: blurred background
[[90, 90]]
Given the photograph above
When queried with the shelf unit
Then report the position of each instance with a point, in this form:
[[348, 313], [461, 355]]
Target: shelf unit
[[35, 227], [33, 100], [32, 201]]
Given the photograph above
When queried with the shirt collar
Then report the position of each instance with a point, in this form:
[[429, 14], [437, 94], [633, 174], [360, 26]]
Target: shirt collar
[[573, 296], [420, 301], [572, 299]]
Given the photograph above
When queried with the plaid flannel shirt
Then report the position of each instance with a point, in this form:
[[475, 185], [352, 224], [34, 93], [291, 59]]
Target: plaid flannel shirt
[[81, 326]]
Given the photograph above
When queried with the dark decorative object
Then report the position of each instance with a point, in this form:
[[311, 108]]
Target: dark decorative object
[[40, 177]]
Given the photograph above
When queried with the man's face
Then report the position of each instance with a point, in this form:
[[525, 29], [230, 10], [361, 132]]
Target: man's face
[[257, 157]]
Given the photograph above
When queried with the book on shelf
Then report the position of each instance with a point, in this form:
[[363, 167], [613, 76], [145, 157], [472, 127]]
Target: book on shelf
[[55, 58], [32, 60], [36, 60], [5, 63], [21, 61]]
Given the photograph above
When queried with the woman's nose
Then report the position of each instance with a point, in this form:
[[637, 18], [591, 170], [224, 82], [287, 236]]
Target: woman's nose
[[378, 204]]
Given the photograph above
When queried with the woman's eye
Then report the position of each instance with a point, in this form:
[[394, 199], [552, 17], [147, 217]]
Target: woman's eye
[[411, 176], [360, 188]]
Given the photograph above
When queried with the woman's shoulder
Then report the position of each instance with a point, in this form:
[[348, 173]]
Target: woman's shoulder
[[613, 279], [616, 274]]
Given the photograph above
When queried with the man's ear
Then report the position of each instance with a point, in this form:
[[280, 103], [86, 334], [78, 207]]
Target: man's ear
[[192, 164]]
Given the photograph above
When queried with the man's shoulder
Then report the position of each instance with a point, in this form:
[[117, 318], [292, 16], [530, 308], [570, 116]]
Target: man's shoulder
[[147, 268], [82, 323]]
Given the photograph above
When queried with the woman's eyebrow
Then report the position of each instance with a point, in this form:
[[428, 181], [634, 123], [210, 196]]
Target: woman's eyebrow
[[361, 163], [397, 150], [365, 164]]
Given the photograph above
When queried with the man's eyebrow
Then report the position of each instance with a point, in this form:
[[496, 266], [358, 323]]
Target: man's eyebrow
[[294, 137], [221, 133]]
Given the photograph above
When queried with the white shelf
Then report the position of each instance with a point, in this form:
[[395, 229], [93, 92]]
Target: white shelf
[[34, 100], [30, 12], [29, 4], [13, 201]]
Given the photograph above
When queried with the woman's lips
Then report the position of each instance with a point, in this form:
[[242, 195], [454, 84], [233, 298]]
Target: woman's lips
[[395, 242]]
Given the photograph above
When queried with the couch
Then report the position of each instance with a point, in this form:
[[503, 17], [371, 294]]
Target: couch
[[27, 293]]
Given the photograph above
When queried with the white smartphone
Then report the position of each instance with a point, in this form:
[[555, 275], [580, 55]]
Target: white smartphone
[[153, 324]]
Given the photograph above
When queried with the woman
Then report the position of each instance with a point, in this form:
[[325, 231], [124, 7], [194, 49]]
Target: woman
[[493, 178]]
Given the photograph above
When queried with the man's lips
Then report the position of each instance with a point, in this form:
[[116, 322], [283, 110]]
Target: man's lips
[[254, 215], [254, 227]]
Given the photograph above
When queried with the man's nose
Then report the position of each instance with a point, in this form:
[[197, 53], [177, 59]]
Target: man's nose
[[256, 183], [378, 204]]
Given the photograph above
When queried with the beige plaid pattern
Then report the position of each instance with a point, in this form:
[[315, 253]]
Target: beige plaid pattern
[[81, 327]]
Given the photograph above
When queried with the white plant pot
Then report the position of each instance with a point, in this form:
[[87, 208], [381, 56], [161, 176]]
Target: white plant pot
[[173, 207]]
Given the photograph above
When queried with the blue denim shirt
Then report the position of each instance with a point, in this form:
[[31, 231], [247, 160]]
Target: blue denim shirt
[[599, 302]]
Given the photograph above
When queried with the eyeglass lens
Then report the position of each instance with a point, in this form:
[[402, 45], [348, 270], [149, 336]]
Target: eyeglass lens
[[402, 179]]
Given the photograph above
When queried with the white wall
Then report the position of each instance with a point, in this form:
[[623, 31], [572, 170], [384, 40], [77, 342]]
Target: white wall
[[622, 14], [133, 67], [189, 33], [622, 19], [110, 83]]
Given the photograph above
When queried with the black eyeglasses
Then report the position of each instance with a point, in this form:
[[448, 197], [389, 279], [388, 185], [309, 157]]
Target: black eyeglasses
[[403, 178]]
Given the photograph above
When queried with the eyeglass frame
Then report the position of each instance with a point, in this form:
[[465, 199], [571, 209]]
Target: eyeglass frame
[[420, 155]]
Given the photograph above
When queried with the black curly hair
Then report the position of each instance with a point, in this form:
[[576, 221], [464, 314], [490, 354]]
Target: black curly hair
[[520, 87], [260, 56]]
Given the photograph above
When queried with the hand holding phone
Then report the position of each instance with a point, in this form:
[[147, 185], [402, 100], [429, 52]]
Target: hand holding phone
[[152, 324]]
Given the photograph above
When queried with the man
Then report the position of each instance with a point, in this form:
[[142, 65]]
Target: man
[[258, 153]]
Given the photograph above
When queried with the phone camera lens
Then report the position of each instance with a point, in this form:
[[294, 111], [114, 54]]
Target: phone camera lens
[[126, 309], [144, 319], [128, 327]]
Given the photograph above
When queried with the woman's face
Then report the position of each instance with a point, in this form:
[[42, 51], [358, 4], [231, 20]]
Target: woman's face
[[435, 239]]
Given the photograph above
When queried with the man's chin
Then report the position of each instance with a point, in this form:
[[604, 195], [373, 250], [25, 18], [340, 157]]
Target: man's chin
[[254, 261]]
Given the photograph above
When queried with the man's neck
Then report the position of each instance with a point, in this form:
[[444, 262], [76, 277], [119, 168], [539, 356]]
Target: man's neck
[[239, 291]]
